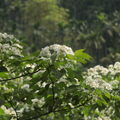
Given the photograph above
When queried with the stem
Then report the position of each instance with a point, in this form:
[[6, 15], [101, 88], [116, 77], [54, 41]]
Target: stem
[[9, 79], [53, 91]]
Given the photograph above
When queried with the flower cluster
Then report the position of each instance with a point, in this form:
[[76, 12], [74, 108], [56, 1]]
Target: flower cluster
[[114, 69], [105, 114], [8, 111], [38, 102], [9, 45], [26, 87], [101, 77], [5, 37], [56, 50]]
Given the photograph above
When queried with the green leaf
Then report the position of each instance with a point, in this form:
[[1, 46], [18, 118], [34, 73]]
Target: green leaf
[[1, 112], [116, 97], [87, 110], [107, 95], [80, 56], [3, 75]]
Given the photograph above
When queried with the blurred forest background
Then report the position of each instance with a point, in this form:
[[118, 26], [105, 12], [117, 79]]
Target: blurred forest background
[[93, 25]]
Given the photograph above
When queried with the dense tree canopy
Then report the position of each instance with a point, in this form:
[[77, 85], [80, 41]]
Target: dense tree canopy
[[98, 25], [88, 24], [41, 78], [52, 84]]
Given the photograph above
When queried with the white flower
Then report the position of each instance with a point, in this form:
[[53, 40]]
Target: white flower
[[8, 46], [100, 118], [71, 105], [104, 71], [19, 46], [117, 67], [45, 52], [94, 77], [106, 86], [26, 87], [35, 100], [38, 102], [114, 83], [20, 111], [56, 50], [110, 66], [9, 111], [30, 66], [43, 84]]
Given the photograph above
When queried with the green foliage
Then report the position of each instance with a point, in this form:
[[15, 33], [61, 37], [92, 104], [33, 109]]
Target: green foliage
[[44, 12], [81, 24], [80, 56], [95, 27], [44, 21], [42, 87]]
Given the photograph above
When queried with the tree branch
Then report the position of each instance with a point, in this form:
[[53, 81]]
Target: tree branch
[[56, 111], [9, 79]]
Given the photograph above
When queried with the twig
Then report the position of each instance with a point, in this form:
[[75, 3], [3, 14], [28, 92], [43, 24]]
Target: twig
[[9, 79]]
